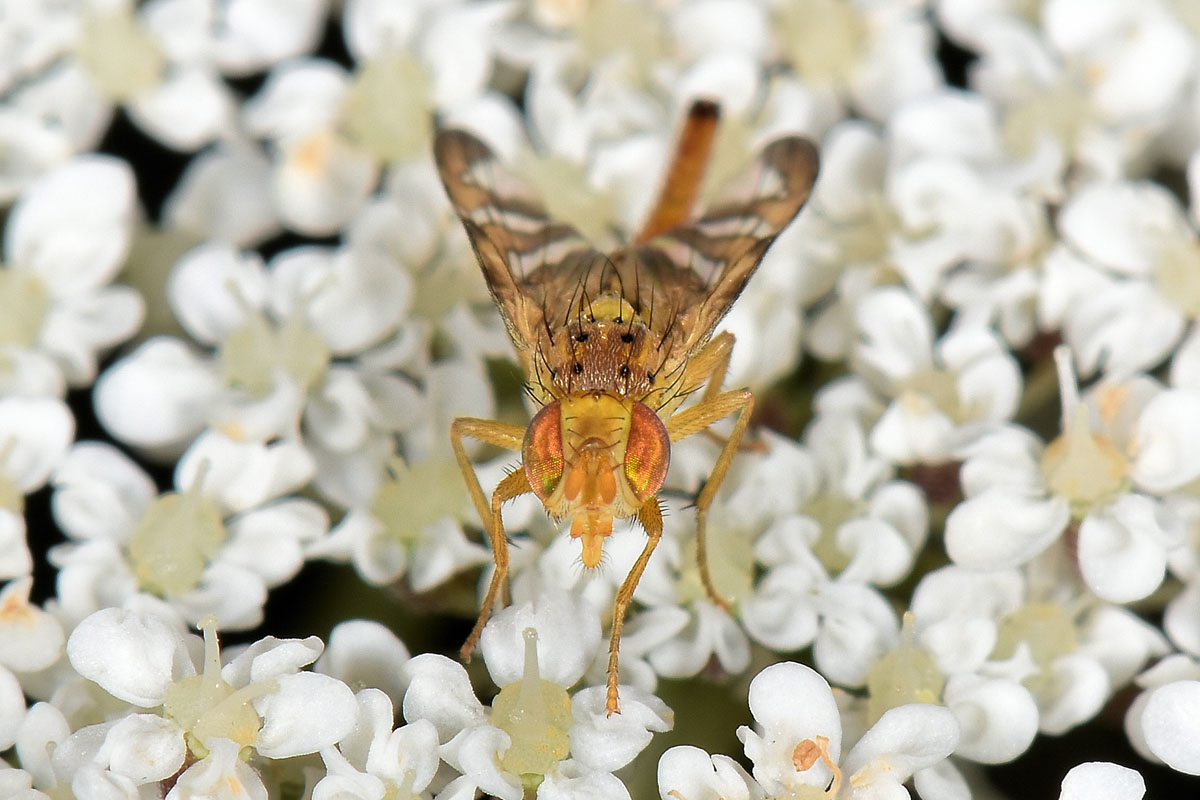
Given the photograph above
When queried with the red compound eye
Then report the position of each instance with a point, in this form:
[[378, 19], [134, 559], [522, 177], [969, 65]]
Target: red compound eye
[[542, 451], [648, 453]]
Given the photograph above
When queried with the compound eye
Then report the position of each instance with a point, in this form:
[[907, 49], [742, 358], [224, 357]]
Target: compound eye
[[542, 451], [648, 453]]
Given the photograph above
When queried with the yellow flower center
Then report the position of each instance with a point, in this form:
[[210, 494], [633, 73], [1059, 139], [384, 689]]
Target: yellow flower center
[[175, 541], [907, 674], [24, 301], [413, 498], [250, 356], [536, 714], [121, 56], [388, 108], [207, 707], [1177, 275], [1084, 467], [823, 39]]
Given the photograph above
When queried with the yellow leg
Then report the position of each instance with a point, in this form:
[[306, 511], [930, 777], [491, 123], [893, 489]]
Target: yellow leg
[[693, 420], [710, 366], [504, 435], [514, 484], [650, 515], [712, 362], [491, 431]]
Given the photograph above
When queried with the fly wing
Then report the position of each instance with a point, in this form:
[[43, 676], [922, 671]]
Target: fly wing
[[532, 264], [692, 274]]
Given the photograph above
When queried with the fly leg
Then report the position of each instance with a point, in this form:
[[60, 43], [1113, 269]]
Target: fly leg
[[514, 485]]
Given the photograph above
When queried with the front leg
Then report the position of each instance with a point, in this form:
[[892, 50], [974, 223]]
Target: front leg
[[490, 431], [693, 420], [650, 516], [514, 484]]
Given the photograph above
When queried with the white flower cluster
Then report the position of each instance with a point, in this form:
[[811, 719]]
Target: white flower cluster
[[987, 528]]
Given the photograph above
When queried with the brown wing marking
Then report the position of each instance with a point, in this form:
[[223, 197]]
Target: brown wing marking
[[526, 257], [725, 246]]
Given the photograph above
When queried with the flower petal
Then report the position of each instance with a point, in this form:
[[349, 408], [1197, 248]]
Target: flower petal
[[905, 739], [307, 712], [998, 718], [1171, 725], [72, 227], [1100, 780], [568, 629], [133, 654], [1000, 528], [607, 743]]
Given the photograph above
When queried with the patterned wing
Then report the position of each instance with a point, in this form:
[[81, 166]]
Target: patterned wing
[[691, 275], [533, 265]]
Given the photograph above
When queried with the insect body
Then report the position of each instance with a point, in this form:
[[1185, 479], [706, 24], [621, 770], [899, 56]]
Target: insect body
[[612, 345]]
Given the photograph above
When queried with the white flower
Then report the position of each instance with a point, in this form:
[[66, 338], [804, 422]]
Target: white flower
[[41, 732], [871, 56], [1060, 655], [30, 639], [33, 35], [250, 35], [690, 773], [17, 784], [1100, 780], [1168, 725], [943, 394], [875, 524], [35, 433], [158, 397], [1013, 484], [1173, 668], [796, 743], [936, 199], [452, 44], [319, 178], [161, 61], [212, 547], [277, 331], [535, 732], [12, 708], [1010, 654], [363, 653], [261, 699], [374, 761], [957, 619], [1078, 88], [330, 130], [150, 60], [224, 194], [64, 241], [1122, 283], [221, 775], [843, 528]]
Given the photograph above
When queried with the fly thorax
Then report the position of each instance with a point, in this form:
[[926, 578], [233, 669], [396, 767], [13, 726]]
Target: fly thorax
[[607, 348]]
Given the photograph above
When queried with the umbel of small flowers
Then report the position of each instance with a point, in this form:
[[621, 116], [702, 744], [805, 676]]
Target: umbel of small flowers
[[303, 395], [796, 749]]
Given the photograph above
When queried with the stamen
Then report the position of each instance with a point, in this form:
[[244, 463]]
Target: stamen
[[809, 752], [531, 681], [536, 714], [1068, 384]]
